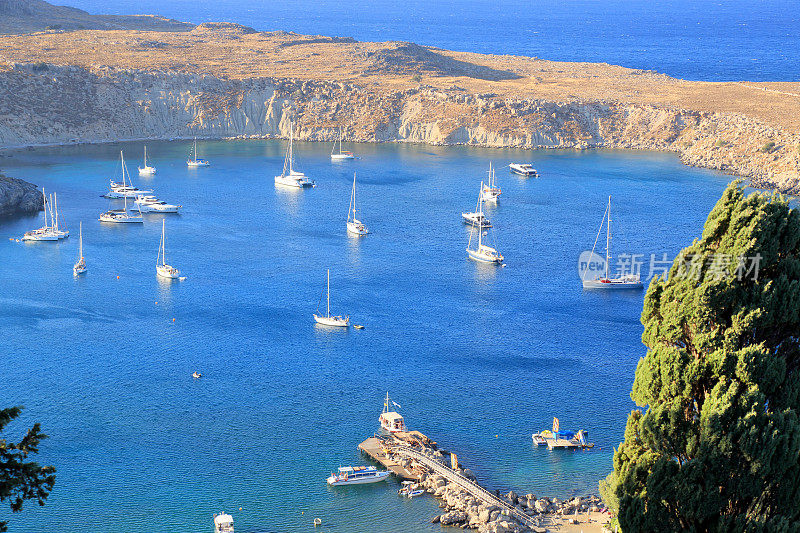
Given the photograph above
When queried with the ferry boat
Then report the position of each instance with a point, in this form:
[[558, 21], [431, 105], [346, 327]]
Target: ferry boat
[[291, 177], [391, 421], [151, 204], [223, 523], [357, 475], [524, 169], [605, 282]]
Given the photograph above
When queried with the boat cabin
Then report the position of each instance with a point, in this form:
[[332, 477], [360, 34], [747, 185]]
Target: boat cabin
[[223, 523], [392, 422]]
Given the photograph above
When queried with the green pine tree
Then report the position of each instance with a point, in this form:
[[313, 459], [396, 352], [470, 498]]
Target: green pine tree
[[22, 480], [717, 447]]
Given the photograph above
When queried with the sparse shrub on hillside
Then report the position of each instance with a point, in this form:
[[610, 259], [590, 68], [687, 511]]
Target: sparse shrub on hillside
[[416, 78], [768, 147], [39, 67]]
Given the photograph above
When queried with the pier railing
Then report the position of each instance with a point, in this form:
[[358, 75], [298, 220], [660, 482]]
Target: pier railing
[[468, 485]]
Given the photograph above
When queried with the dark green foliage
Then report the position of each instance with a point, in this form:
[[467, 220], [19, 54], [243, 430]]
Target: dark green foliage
[[39, 67], [718, 446], [416, 78], [768, 147], [22, 480]]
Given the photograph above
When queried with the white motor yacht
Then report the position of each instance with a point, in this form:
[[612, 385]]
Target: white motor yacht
[[151, 204], [223, 523], [357, 475], [524, 169]]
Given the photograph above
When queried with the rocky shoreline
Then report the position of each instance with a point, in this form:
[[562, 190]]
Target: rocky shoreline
[[107, 104], [466, 511], [19, 198]]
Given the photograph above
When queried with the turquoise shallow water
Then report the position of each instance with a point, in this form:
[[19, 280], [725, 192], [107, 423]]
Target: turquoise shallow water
[[478, 357]]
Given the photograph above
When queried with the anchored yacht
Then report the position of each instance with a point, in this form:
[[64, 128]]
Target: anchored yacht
[[162, 268], [626, 281], [524, 169], [341, 155], [193, 161], [146, 170], [291, 177], [151, 204], [80, 265], [482, 252], [490, 191], [354, 226], [328, 319]]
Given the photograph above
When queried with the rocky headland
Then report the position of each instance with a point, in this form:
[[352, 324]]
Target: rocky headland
[[18, 198], [221, 80]]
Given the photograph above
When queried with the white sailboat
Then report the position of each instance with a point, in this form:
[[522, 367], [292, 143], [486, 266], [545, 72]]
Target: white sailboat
[[193, 161], [328, 320], [341, 155], [476, 218], [48, 231], [146, 170], [124, 188], [490, 191], [80, 266], [482, 252], [291, 177], [162, 268], [121, 216], [626, 281], [354, 226]]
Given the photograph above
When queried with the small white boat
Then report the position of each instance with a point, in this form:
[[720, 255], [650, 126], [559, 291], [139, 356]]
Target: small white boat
[[490, 191], [151, 204], [193, 161], [482, 252], [341, 155], [50, 231], [391, 421], [80, 266], [291, 177], [146, 170], [328, 320], [606, 282], [476, 219], [354, 226], [524, 169], [538, 439], [162, 268], [357, 475], [223, 523]]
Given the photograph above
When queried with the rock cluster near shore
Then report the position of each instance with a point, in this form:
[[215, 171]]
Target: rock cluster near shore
[[19, 198], [462, 509]]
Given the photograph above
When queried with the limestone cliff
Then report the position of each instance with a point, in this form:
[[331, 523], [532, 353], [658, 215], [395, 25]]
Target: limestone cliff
[[223, 80]]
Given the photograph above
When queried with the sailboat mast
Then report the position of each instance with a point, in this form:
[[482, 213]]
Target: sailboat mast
[[291, 151], [55, 205], [145, 157], [52, 217], [80, 240], [480, 218], [608, 237], [329, 293], [163, 250], [44, 204]]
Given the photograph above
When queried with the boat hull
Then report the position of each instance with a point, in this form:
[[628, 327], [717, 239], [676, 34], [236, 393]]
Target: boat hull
[[167, 272], [596, 284], [147, 171], [295, 183], [357, 228], [341, 157], [145, 208], [121, 219], [470, 220], [332, 321], [78, 270], [198, 163], [484, 258], [378, 477]]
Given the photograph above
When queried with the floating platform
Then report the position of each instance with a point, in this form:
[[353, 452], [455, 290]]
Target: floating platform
[[374, 448]]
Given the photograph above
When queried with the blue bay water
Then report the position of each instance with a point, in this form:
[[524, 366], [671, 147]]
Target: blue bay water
[[478, 357], [755, 40]]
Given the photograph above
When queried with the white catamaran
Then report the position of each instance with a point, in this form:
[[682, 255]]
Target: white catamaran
[[146, 170], [482, 253], [626, 281], [328, 320], [291, 177], [80, 266], [162, 268], [341, 154], [193, 161], [490, 191], [354, 226]]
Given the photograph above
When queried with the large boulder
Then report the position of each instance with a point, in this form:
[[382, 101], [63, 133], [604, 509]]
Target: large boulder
[[19, 198]]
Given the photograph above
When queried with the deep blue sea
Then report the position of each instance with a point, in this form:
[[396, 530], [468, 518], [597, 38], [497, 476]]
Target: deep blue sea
[[714, 40], [479, 357]]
